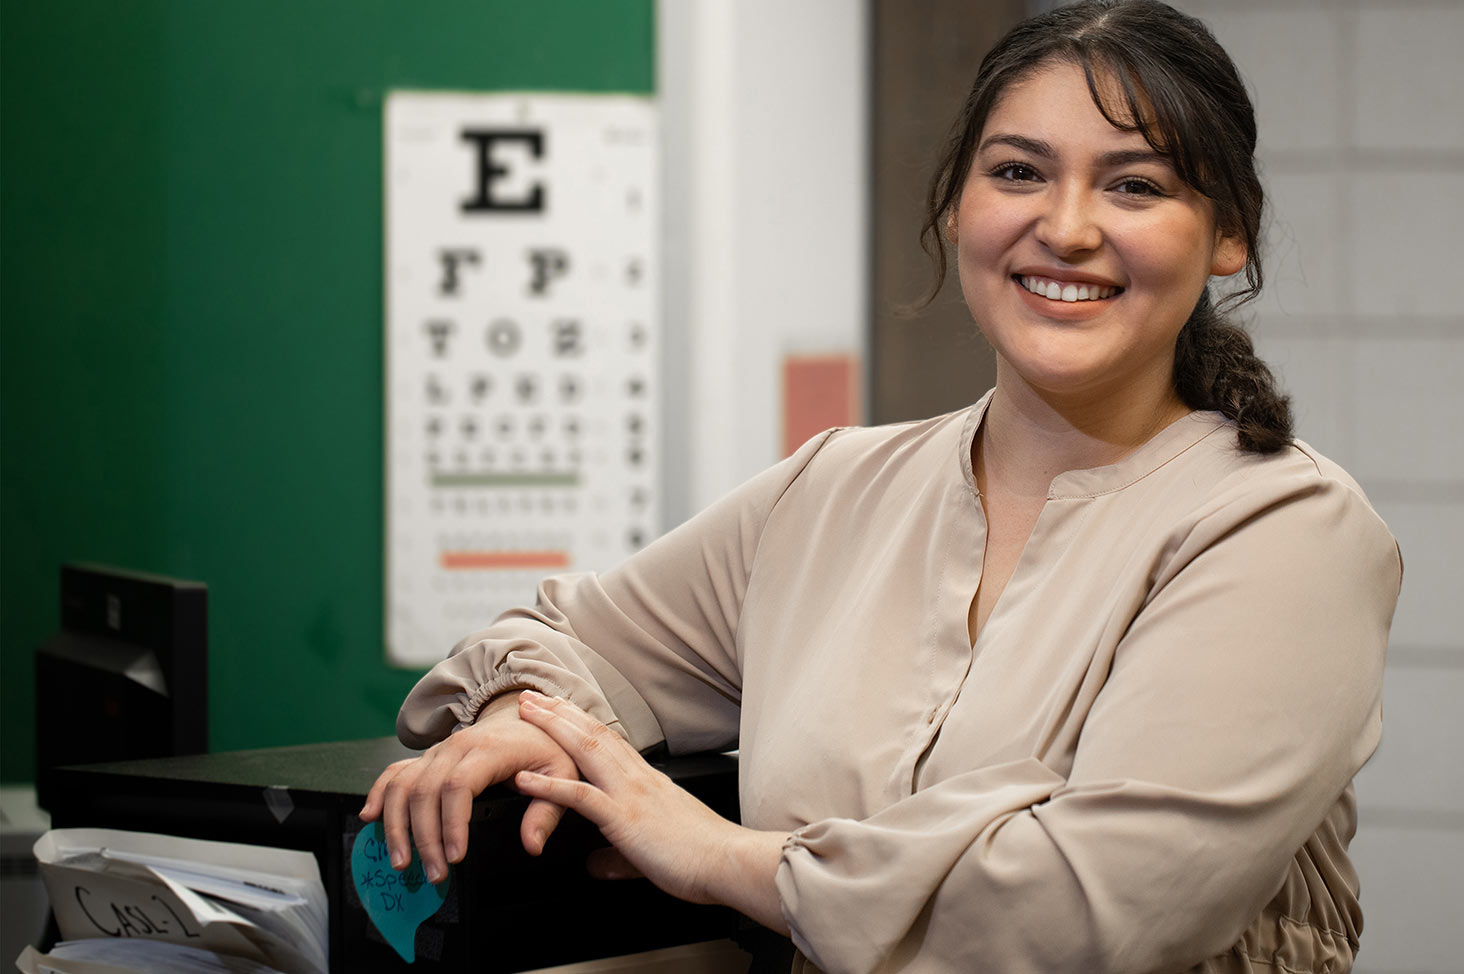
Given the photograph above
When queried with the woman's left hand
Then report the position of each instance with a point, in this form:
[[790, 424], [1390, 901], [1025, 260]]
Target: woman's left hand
[[674, 840]]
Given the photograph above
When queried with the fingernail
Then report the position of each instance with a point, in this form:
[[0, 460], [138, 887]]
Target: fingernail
[[434, 875], [398, 861], [452, 852]]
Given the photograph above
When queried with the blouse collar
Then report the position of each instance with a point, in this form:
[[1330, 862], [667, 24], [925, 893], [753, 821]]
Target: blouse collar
[[1164, 446]]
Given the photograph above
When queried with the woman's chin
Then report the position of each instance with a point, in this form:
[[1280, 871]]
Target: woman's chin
[[1080, 379]]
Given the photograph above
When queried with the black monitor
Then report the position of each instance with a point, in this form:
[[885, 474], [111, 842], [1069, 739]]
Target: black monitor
[[127, 675]]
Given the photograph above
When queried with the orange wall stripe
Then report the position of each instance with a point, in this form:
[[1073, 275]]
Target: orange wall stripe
[[819, 391]]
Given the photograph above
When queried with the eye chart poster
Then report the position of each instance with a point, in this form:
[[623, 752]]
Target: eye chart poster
[[521, 351]]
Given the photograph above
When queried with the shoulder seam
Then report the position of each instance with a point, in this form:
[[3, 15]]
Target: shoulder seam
[[820, 440]]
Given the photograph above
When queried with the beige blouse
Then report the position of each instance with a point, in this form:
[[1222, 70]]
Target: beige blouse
[[1144, 763]]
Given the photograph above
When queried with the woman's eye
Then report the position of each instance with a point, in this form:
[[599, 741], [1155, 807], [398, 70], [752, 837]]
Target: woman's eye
[[1015, 172], [1139, 187]]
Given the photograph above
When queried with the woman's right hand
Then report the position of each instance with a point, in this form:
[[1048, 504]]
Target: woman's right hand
[[427, 800]]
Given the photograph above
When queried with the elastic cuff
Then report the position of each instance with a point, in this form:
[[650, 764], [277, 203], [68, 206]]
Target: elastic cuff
[[783, 880], [505, 683]]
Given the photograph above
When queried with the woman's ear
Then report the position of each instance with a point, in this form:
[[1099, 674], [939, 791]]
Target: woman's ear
[[950, 226], [1229, 257]]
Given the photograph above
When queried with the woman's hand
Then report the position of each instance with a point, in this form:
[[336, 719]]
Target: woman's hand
[[432, 796], [678, 843]]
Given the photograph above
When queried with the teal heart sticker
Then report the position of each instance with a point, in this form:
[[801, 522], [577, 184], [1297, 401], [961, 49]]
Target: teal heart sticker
[[397, 902]]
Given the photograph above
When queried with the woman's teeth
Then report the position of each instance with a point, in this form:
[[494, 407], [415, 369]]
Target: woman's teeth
[[1057, 291]]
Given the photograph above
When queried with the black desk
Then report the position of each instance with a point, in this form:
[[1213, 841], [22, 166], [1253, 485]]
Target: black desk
[[505, 911]]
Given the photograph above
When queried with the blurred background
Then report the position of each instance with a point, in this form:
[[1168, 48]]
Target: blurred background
[[191, 361]]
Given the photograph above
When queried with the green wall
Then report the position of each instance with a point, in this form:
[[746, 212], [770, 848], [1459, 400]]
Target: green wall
[[191, 354]]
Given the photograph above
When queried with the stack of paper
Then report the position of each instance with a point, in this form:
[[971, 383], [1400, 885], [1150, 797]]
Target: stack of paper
[[130, 956], [136, 901]]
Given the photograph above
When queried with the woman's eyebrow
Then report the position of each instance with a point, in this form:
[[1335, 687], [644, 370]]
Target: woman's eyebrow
[[1035, 146], [1126, 157], [1045, 150]]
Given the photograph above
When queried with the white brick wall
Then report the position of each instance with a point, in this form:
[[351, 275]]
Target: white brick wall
[[1430, 615], [1410, 402], [1404, 234], [1361, 108], [1412, 888], [1408, 76], [1306, 253]]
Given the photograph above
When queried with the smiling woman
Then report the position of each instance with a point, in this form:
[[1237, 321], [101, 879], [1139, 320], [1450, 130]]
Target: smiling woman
[[1161, 78], [1074, 679], [1081, 251]]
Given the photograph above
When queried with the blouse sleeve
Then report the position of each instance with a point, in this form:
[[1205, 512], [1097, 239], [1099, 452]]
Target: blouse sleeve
[[1240, 702], [649, 648]]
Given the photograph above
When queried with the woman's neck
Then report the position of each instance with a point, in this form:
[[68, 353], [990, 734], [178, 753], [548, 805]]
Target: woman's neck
[[1027, 438]]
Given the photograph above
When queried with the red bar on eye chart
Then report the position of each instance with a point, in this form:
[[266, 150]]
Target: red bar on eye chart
[[504, 560]]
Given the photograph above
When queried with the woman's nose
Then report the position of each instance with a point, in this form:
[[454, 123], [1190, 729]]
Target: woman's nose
[[1067, 224]]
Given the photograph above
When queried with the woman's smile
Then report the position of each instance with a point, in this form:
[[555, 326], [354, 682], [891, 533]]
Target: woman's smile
[[1055, 290]]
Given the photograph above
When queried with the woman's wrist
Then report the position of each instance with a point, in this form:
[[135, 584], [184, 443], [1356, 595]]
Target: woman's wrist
[[507, 700], [744, 877]]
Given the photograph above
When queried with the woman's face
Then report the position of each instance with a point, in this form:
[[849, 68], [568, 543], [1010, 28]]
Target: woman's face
[[1081, 252]]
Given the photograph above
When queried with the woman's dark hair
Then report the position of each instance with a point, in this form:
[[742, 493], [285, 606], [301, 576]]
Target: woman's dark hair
[[1181, 91]]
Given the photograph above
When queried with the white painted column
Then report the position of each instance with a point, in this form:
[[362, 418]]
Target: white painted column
[[765, 122]]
